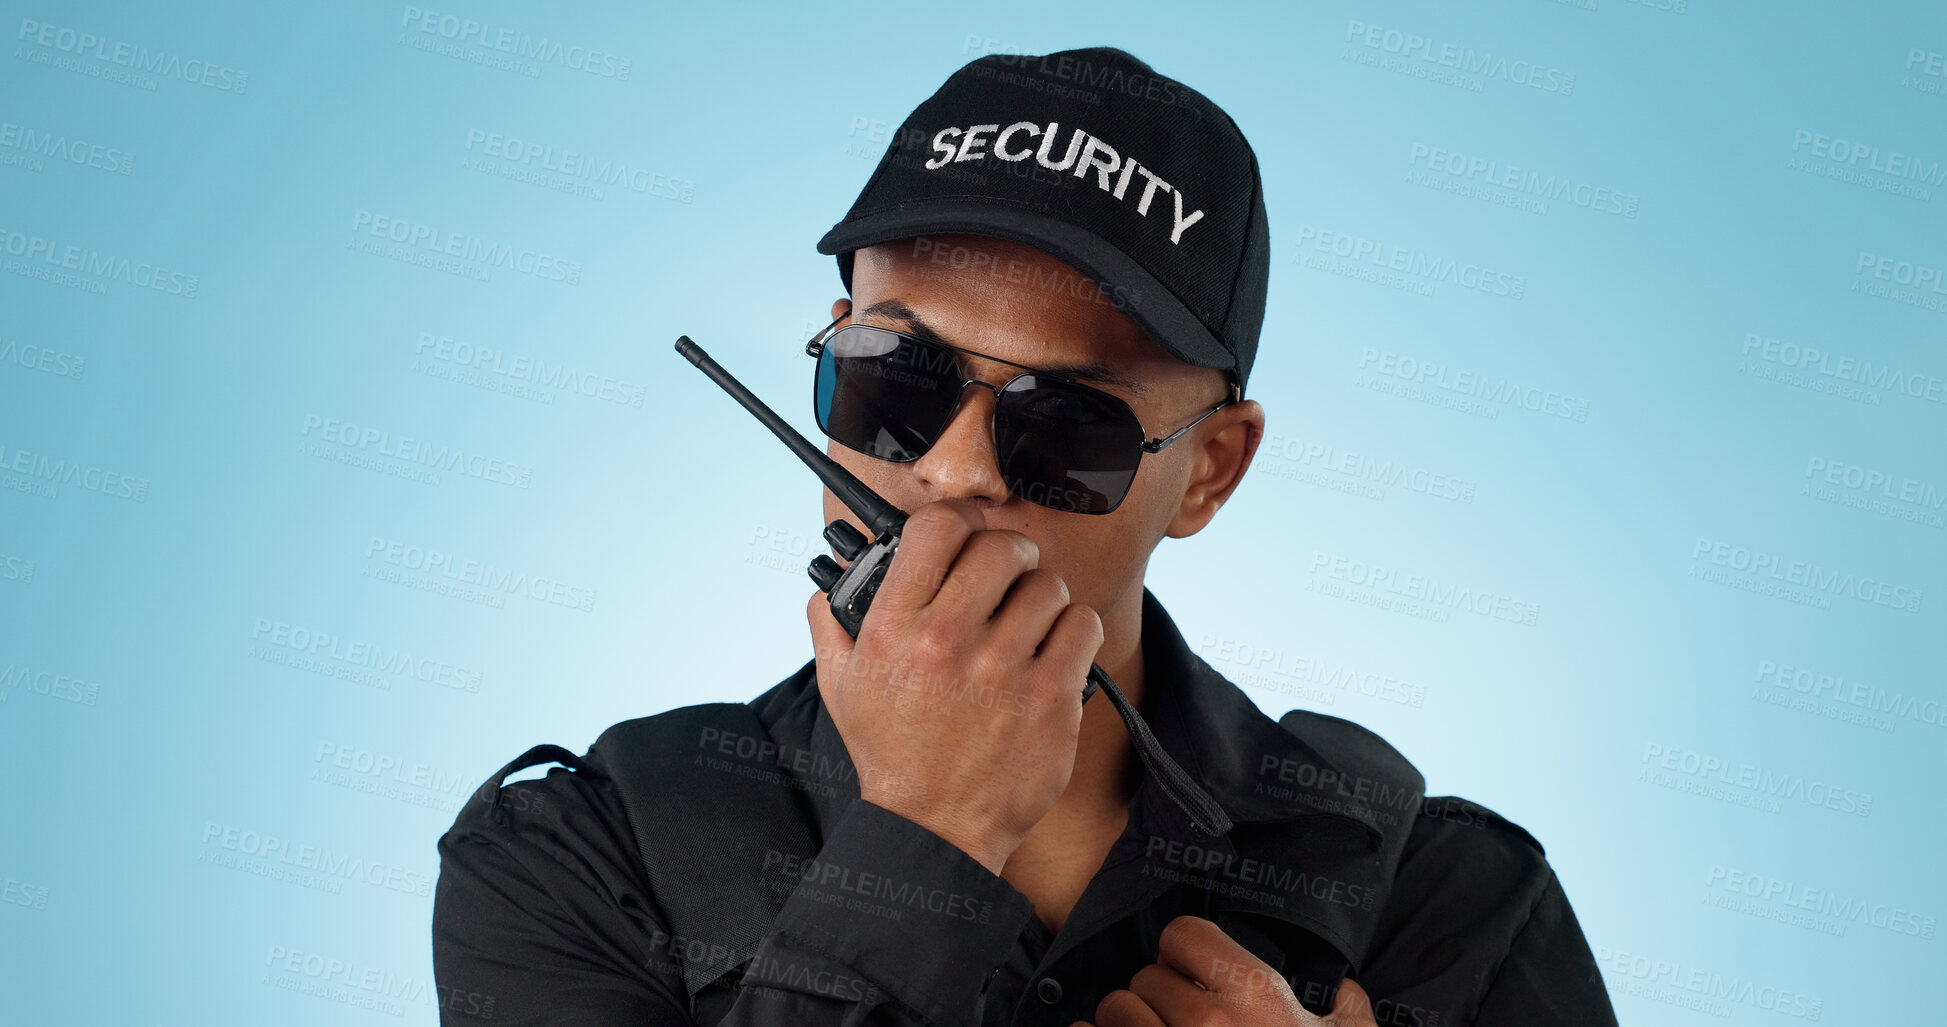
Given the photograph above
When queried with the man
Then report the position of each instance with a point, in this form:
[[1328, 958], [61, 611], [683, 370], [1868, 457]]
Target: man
[[1057, 277]]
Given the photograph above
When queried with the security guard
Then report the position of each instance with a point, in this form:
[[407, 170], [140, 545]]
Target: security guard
[[923, 825]]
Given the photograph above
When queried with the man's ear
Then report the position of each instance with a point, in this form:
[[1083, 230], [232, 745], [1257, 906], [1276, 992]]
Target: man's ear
[[1229, 440], [841, 307]]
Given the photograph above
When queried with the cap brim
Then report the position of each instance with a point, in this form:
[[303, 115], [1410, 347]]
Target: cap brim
[[1139, 296]]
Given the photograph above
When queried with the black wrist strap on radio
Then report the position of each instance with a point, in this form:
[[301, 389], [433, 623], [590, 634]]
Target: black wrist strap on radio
[[1182, 789]]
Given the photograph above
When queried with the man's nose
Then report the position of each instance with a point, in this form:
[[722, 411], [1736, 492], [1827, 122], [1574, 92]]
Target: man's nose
[[961, 465]]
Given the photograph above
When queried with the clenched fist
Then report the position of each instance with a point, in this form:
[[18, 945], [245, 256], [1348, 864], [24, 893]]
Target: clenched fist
[[1202, 978]]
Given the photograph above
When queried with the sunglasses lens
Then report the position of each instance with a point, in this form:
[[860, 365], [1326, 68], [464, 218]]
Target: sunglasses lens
[[883, 394], [1065, 447], [1059, 445]]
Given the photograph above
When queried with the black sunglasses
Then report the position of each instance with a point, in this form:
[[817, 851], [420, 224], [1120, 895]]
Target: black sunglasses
[[1059, 443]]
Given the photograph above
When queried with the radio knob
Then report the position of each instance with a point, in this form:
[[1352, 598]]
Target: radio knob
[[824, 572], [845, 539]]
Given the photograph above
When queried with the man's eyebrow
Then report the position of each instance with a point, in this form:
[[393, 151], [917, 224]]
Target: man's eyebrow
[[1088, 371]]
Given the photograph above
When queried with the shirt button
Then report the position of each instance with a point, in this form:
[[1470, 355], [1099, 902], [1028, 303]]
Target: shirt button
[[1048, 990]]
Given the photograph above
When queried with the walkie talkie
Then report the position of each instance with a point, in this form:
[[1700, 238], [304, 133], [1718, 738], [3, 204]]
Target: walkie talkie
[[852, 588]]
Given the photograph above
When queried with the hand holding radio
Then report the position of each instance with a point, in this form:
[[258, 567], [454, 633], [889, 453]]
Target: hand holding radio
[[957, 699], [851, 590]]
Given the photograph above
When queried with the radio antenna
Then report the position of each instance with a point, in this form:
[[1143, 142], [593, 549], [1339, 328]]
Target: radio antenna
[[879, 516]]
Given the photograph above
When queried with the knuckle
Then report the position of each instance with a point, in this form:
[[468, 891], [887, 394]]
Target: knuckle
[[989, 664], [1120, 1006], [999, 546], [1178, 931], [980, 544], [1146, 976], [1025, 548], [939, 638], [1044, 583]]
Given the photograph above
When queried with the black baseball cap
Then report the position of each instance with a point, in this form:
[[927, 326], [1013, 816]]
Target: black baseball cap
[[1132, 178]]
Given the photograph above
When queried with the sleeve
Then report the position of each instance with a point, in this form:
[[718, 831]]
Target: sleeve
[[544, 915], [1549, 976], [526, 926], [909, 916]]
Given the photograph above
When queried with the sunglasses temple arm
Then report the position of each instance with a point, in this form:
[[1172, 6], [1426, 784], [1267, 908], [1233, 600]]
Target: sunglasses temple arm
[[879, 516]]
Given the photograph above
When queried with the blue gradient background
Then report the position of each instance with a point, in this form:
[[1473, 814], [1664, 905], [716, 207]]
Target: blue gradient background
[[764, 123]]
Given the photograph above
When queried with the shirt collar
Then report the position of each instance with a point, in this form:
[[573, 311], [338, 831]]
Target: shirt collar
[[1257, 768], [1321, 807]]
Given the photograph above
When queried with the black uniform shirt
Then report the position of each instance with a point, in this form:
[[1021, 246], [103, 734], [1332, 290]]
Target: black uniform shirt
[[544, 911]]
